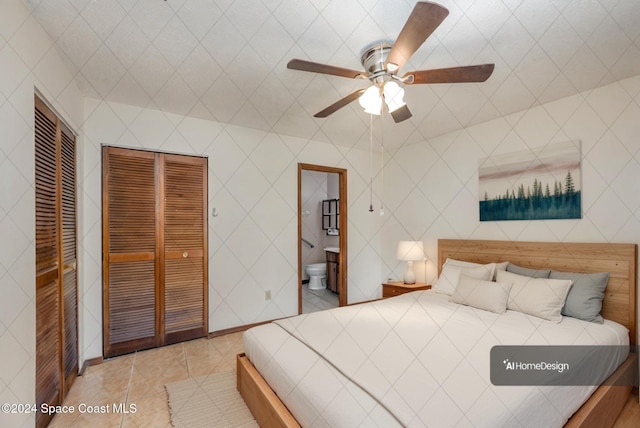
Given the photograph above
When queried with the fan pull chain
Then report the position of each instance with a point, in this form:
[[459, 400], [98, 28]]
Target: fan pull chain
[[382, 162], [370, 163]]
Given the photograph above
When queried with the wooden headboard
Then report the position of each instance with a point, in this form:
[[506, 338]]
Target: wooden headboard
[[620, 260]]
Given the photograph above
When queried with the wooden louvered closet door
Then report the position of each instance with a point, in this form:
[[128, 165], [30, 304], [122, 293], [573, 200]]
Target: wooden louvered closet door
[[154, 236], [56, 270], [185, 267], [69, 289], [129, 273]]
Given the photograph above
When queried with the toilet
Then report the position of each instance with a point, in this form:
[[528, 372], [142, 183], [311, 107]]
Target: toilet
[[317, 272]]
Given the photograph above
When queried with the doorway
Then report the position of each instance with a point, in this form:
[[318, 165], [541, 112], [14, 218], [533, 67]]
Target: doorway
[[329, 210]]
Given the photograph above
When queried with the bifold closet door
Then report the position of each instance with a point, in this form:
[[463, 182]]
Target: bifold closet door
[[185, 244], [56, 271], [155, 241], [129, 250], [69, 289], [48, 379]]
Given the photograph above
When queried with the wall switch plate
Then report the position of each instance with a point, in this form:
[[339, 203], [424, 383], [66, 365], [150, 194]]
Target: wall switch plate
[[267, 295]]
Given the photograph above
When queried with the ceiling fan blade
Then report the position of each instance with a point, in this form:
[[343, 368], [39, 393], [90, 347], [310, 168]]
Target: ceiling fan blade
[[423, 21], [469, 73], [340, 103], [315, 67], [403, 113]]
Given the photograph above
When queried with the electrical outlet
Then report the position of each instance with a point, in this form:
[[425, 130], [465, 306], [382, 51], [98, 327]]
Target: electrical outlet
[[267, 295]]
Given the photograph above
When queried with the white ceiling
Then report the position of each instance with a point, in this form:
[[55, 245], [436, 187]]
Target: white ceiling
[[225, 60]]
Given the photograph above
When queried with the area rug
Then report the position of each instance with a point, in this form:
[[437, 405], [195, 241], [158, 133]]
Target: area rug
[[208, 401]]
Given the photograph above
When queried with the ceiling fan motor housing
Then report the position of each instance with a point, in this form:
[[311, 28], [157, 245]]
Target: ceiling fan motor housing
[[373, 60]]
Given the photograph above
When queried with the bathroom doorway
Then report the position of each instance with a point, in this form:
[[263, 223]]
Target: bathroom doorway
[[322, 237]]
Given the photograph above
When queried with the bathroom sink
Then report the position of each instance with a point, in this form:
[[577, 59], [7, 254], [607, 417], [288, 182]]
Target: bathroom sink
[[332, 249]]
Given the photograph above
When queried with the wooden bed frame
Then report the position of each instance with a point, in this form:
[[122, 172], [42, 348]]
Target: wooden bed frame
[[621, 260]]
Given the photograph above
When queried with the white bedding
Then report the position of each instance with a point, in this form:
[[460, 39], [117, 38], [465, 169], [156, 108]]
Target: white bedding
[[414, 360]]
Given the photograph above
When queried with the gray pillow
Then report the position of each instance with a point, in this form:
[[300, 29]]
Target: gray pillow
[[584, 300], [532, 273]]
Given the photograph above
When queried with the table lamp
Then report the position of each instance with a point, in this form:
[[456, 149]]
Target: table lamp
[[410, 251]]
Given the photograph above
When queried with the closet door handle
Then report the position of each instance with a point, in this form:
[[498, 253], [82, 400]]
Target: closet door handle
[[185, 255]]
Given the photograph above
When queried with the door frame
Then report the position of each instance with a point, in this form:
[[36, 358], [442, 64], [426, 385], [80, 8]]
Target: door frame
[[342, 186]]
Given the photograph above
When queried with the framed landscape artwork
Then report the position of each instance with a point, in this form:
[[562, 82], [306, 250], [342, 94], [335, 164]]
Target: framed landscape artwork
[[535, 184]]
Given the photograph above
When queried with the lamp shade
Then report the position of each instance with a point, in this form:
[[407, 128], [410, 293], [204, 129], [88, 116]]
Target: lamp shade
[[371, 100], [410, 251], [393, 96]]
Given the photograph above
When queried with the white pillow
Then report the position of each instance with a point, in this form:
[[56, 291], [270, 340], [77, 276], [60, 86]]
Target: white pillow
[[451, 274], [464, 264], [540, 297], [487, 295], [500, 266]]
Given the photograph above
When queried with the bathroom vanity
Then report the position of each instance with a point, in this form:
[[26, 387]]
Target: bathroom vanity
[[333, 268]]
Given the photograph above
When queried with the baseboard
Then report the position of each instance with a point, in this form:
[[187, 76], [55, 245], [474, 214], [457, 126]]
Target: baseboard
[[237, 329], [231, 330], [363, 302], [90, 362]]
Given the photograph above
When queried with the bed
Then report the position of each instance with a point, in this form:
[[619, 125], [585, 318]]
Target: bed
[[375, 382]]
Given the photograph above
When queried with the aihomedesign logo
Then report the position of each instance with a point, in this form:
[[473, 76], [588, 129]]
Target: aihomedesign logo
[[557, 365], [539, 366]]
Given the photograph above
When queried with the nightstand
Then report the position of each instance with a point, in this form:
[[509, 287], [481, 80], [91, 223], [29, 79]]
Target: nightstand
[[396, 288]]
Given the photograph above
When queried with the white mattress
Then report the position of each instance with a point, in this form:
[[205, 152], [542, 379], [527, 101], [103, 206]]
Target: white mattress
[[415, 360]]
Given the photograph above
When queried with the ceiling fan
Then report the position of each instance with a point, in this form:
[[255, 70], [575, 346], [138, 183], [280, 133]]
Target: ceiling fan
[[382, 62]]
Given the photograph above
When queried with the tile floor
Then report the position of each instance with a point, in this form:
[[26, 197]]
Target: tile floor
[[139, 379], [317, 300]]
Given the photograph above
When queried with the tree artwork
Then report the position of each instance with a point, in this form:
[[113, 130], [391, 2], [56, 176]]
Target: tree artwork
[[540, 184]]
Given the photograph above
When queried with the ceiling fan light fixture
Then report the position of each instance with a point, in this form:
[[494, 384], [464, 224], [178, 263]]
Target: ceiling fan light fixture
[[393, 96], [383, 59], [371, 101]]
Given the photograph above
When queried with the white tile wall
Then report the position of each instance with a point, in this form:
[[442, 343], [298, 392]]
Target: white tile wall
[[439, 176], [27, 61], [252, 186], [430, 186]]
